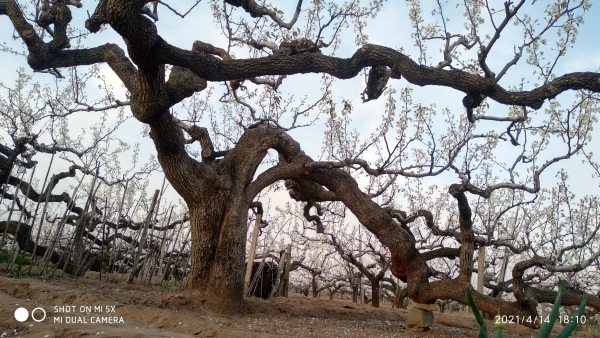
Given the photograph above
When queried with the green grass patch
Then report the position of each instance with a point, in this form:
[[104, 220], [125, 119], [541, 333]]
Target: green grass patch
[[6, 257]]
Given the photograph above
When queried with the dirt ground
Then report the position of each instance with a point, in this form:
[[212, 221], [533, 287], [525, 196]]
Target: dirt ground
[[89, 308]]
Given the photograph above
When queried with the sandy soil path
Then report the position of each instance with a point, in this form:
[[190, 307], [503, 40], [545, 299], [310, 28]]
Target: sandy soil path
[[121, 310]]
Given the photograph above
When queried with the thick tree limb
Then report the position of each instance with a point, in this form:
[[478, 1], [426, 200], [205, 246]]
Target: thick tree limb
[[214, 69]]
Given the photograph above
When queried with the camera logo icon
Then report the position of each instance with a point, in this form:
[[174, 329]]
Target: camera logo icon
[[37, 315]]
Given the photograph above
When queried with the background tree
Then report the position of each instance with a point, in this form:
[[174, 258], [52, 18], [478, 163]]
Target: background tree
[[77, 228]]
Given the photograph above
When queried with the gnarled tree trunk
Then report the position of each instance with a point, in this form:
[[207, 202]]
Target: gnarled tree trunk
[[218, 194], [218, 252]]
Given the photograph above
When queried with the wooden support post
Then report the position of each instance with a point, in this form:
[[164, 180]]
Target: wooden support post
[[185, 271], [106, 212], [160, 254], [503, 268], [75, 253], [135, 270], [161, 250], [285, 277], [37, 237], [151, 253], [361, 287], [131, 247], [12, 208], [59, 231], [15, 247], [480, 269], [284, 272], [168, 270], [280, 266], [251, 253], [113, 247]]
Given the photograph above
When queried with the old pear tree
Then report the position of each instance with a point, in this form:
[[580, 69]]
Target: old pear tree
[[520, 113]]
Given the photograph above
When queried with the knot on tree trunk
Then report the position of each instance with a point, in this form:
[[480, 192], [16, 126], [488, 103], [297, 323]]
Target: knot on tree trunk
[[472, 101], [378, 78], [149, 111]]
